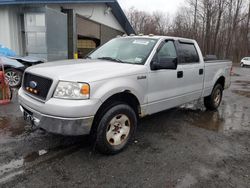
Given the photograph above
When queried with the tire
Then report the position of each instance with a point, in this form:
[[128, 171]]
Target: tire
[[116, 129], [242, 64], [14, 77], [213, 101]]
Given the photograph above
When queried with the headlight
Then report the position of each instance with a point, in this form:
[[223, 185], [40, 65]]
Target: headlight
[[72, 90]]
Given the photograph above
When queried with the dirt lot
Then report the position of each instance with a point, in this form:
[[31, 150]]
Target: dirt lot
[[181, 147]]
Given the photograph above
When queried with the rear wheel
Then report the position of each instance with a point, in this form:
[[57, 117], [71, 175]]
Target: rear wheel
[[116, 129], [14, 77], [213, 101]]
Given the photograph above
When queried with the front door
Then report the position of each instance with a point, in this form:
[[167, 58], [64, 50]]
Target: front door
[[165, 85]]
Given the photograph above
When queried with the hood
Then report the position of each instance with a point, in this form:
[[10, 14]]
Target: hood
[[10, 62], [85, 70]]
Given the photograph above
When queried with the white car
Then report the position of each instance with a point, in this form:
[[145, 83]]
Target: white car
[[245, 62]]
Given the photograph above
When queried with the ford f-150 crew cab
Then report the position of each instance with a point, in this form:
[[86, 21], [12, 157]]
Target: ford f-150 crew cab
[[123, 80]]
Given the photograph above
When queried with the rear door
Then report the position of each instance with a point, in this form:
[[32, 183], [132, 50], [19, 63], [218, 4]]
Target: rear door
[[192, 70]]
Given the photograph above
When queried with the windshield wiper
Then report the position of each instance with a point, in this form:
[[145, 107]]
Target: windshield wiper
[[87, 57], [111, 59]]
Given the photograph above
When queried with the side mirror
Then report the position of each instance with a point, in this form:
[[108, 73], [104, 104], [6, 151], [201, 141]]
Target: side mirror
[[164, 63]]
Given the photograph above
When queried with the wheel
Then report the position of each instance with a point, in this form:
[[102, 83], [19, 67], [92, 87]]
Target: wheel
[[242, 64], [213, 101], [116, 129], [14, 77]]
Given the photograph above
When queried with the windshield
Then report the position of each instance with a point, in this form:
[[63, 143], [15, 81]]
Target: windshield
[[125, 50]]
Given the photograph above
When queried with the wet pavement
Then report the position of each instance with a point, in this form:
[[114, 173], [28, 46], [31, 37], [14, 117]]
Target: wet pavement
[[182, 147]]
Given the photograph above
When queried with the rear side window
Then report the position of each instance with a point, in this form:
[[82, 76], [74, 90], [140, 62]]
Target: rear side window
[[188, 53]]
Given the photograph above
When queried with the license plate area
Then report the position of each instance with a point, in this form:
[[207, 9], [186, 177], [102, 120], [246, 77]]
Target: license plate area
[[28, 116]]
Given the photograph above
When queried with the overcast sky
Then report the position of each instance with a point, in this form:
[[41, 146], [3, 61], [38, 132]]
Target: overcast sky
[[167, 6]]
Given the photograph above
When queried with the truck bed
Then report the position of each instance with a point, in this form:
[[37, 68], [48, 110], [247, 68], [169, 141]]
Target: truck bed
[[213, 70]]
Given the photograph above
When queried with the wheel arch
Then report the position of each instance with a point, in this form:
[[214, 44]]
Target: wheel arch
[[126, 97], [221, 80]]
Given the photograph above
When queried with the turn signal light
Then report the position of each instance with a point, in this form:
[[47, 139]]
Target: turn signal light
[[85, 90]]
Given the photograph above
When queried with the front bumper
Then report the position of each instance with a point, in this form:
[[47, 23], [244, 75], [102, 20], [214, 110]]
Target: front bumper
[[58, 125], [60, 116]]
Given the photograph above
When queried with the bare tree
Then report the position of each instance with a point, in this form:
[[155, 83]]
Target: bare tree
[[220, 27]]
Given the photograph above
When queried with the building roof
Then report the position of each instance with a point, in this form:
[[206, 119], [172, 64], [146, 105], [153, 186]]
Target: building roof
[[116, 9]]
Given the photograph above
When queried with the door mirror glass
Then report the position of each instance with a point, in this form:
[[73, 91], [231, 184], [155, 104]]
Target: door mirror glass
[[166, 57], [170, 63]]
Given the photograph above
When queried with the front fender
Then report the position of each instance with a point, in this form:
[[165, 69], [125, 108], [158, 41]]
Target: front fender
[[104, 89], [21, 69]]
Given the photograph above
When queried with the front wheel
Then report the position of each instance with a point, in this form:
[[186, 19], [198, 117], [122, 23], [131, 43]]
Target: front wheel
[[213, 101], [242, 64], [116, 129]]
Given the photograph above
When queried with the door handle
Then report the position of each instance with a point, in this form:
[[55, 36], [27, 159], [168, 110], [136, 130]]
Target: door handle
[[201, 71], [180, 74]]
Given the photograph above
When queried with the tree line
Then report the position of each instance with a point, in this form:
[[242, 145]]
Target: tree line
[[221, 27]]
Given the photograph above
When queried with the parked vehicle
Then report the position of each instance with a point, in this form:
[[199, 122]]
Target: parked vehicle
[[13, 71], [245, 62], [126, 78], [15, 66]]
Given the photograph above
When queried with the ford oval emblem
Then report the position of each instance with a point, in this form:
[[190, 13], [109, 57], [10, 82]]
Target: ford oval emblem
[[33, 84]]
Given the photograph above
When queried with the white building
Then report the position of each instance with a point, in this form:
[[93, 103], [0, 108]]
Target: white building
[[57, 29]]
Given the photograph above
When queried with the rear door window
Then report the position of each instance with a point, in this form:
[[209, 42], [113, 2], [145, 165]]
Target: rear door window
[[188, 53]]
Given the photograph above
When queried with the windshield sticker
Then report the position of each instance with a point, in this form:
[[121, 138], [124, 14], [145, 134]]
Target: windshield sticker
[[138, 60], [143, 42]]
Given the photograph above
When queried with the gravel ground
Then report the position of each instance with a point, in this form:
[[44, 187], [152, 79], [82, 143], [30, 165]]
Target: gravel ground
[[182, 147]]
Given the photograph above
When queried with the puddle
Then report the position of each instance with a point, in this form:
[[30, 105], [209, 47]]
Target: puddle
[[30, 157], [243, 83], [196, 106], [12, 169], [10, 176], [242, 93], [227, 118], [12, 165], [203, 119], [34, 155], [235, 74], [15, 164], [15, 167], [12, 126]]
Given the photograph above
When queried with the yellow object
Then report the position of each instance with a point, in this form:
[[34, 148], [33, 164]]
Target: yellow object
[[76, 56], [85, 89]]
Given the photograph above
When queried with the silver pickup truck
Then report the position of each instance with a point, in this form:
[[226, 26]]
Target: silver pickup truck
[[123, 80]]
